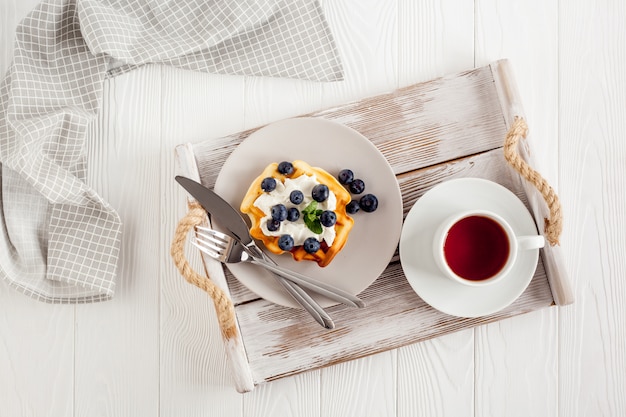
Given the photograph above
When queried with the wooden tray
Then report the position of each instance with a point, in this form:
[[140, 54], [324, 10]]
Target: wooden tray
[[447, 128]]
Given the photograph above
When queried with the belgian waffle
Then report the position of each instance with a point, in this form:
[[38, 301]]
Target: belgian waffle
[[343, 225]]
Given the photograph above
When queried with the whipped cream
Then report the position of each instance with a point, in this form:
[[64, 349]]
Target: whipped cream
[[298, 230]]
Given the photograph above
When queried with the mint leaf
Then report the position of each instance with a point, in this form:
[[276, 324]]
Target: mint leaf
[[310, 209], [314, 224], [311, 217]]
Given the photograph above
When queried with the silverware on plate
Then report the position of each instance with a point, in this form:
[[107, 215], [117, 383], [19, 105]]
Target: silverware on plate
[[237, 228], [228, 250]]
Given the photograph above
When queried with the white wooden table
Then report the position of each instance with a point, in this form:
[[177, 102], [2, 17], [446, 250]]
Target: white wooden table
[[156, 350]]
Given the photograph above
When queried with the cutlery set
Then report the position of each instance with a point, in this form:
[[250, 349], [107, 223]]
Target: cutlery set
[[236, 245]]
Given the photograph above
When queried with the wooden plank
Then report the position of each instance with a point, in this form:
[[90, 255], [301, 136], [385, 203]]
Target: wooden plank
[[414, 127], [36, 338], [432, 372], [287, 343], [376, 379], [117, 342], [427, 123], [296, 396], [36, 356], [366, 35], [592, 122], [436, 37]]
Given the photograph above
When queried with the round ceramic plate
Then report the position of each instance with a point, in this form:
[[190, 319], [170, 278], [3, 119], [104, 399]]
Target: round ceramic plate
[[333, 147], [416, 247]]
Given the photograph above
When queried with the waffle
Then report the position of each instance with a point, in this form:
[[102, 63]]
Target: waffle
[[342, 226]]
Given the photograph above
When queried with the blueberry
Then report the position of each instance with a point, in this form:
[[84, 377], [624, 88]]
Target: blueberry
[[293, 214], [357, 186], [345, 176], [352, 207], [328, 218], [273, 225], [311, 245], [320, 193], [279, 212], [285, 242], [285, 168], [268, 184], [368, 203], [296, 197]]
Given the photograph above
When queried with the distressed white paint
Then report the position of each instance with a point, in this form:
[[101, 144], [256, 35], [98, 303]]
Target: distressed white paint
[[569, 65]]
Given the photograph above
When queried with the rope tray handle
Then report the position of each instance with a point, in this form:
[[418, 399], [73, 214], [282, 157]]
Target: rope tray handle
[[554, 225], [223, 305]]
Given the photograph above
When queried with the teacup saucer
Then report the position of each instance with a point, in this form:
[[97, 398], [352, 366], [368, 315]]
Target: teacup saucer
[[416, 253]]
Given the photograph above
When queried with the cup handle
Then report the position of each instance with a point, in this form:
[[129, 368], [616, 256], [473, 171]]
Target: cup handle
[[530, 242]]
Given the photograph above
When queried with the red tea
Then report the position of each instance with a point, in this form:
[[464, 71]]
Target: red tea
[[476, 248]]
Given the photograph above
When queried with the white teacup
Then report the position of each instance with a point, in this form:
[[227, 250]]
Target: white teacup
[[479, 247]]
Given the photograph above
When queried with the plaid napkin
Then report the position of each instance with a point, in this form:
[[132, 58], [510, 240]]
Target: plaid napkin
[[59, 239]]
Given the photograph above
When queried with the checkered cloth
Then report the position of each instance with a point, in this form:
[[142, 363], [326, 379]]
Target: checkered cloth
[[59, 239]]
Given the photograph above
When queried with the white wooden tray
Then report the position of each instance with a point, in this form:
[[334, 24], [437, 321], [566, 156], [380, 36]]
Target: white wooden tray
[[446, 128]]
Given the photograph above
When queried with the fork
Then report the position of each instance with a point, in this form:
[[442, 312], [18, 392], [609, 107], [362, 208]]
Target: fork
[[226, 249], [298, 294]]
